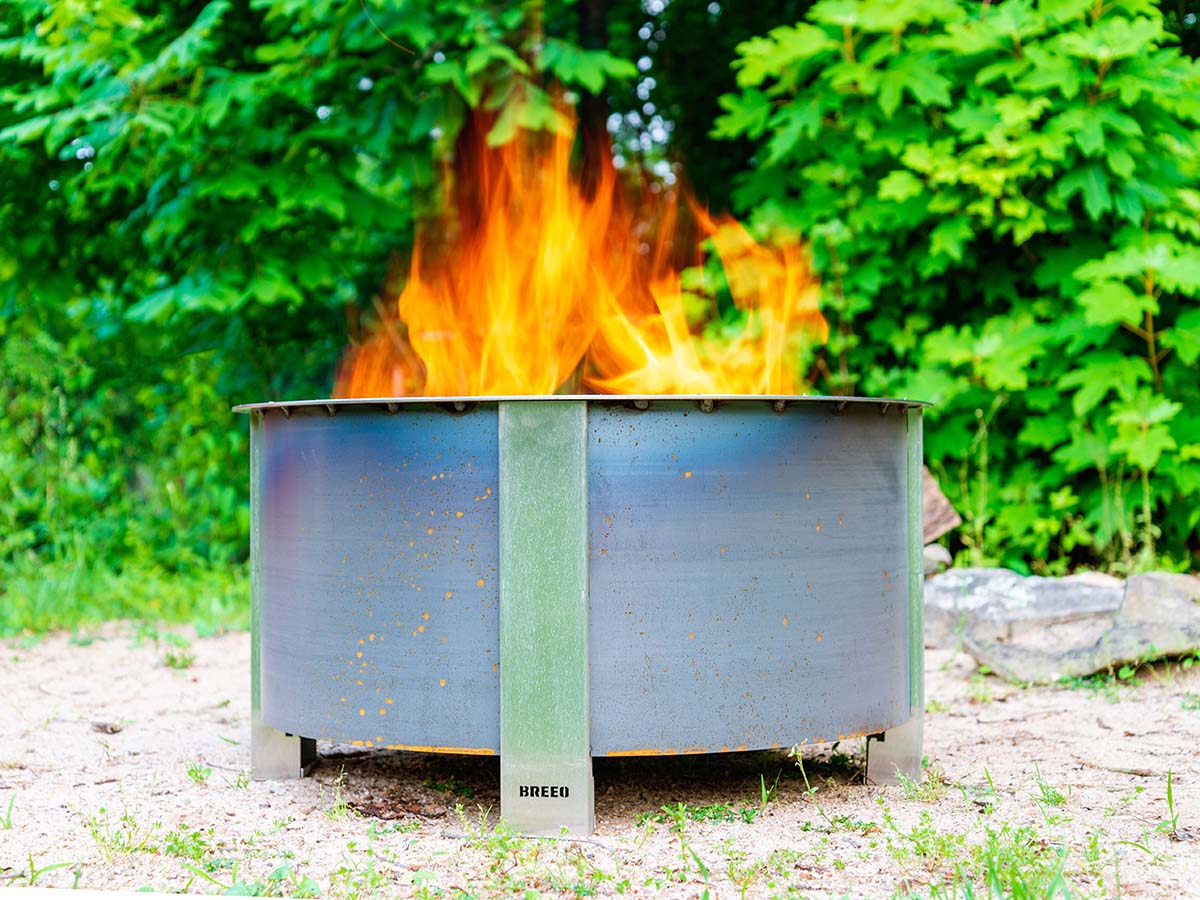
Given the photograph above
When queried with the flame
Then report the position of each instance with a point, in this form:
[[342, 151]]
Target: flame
[[531, 284]]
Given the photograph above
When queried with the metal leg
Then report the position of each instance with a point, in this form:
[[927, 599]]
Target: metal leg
[[273, 754], [545, 747], [899, 749]]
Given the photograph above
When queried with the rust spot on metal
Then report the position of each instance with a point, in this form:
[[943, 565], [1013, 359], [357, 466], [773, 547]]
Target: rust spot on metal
[[441, 682], [841, 520], [648, 751], [785, 621], [819, 638], [691, 635], [818, 526], [422, 628], [459, 514], [449, 594], [687, 474], [420, 748], [371, 636], [382, 711], [359, 654], [479, 583], [362, 712], [389, 701], [425, 615]]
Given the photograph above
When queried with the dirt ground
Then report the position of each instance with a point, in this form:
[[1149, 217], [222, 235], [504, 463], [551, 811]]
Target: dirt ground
[[124, 763]]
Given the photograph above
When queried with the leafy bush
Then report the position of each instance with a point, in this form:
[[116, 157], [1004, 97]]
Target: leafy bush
[[197, 200], [1003, 202]]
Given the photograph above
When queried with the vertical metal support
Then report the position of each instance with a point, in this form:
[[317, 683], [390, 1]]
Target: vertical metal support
[[898, 750], [545, 749], [273, 754]]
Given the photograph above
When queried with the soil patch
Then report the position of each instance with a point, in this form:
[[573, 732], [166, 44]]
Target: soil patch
[[125, 757]]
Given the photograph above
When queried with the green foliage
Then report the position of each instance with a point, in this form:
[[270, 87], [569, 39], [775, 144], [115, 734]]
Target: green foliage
[[1004, 205], [197, 200]]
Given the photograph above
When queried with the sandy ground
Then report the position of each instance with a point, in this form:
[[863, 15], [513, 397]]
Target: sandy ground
[[124, 772]]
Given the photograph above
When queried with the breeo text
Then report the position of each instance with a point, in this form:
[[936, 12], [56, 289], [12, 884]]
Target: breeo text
[[543, 790]]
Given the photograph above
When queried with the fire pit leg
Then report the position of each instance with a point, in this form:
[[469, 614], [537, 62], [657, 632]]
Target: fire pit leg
[[273, 754], [898, 750], [545, 747]]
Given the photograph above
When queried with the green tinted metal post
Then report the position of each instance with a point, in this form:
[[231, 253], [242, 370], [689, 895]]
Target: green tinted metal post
[[545, 752], [899, 750]]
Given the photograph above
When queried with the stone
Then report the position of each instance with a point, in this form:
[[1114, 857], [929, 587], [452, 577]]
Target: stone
[[937, 558], [938, 515], [1035, 629]]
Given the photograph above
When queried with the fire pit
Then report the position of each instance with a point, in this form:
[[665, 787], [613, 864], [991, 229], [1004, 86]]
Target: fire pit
[[555, 579]]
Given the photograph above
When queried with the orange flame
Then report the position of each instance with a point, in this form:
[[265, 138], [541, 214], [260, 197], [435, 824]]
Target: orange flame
[[535, 285]]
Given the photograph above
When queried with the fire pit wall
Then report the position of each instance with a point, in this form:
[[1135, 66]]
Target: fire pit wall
[[563, 578]]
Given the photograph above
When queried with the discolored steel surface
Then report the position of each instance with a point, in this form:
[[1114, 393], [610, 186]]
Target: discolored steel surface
[[748, 571], [749, 576], [378, 577]]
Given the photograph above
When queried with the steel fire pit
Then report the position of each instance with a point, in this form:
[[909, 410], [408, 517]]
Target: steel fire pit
[[556, 579]]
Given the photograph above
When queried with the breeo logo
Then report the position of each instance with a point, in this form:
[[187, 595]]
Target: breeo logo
[[543, 790]]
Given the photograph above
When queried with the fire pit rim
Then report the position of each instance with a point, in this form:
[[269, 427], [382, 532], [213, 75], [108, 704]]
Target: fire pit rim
[[333, 403]]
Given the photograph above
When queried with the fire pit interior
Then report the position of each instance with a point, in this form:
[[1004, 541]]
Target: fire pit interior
[[559, 578]]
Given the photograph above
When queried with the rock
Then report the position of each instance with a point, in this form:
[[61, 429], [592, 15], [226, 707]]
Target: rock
[[1041, 629], [937, 558], [938, 515], [1000, 605]]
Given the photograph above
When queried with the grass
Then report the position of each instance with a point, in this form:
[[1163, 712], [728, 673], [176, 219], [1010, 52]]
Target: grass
[[6, 821], [677, 815], [930, 788], [451, 786], [38, 596], [30, 876], [178, 659], [1047, 794], [935, 847], [1170, 825], [123, 837], [198, 773], [339, 808], [188, 843]]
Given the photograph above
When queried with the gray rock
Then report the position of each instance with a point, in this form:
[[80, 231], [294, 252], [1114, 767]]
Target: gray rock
[[937, 558], [1041, 629], [998, 604]]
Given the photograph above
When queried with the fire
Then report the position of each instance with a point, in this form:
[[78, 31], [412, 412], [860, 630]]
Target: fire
[[531, 283]]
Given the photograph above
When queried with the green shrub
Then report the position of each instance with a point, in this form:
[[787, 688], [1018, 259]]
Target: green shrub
[[1003, 204], [197, 199]]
